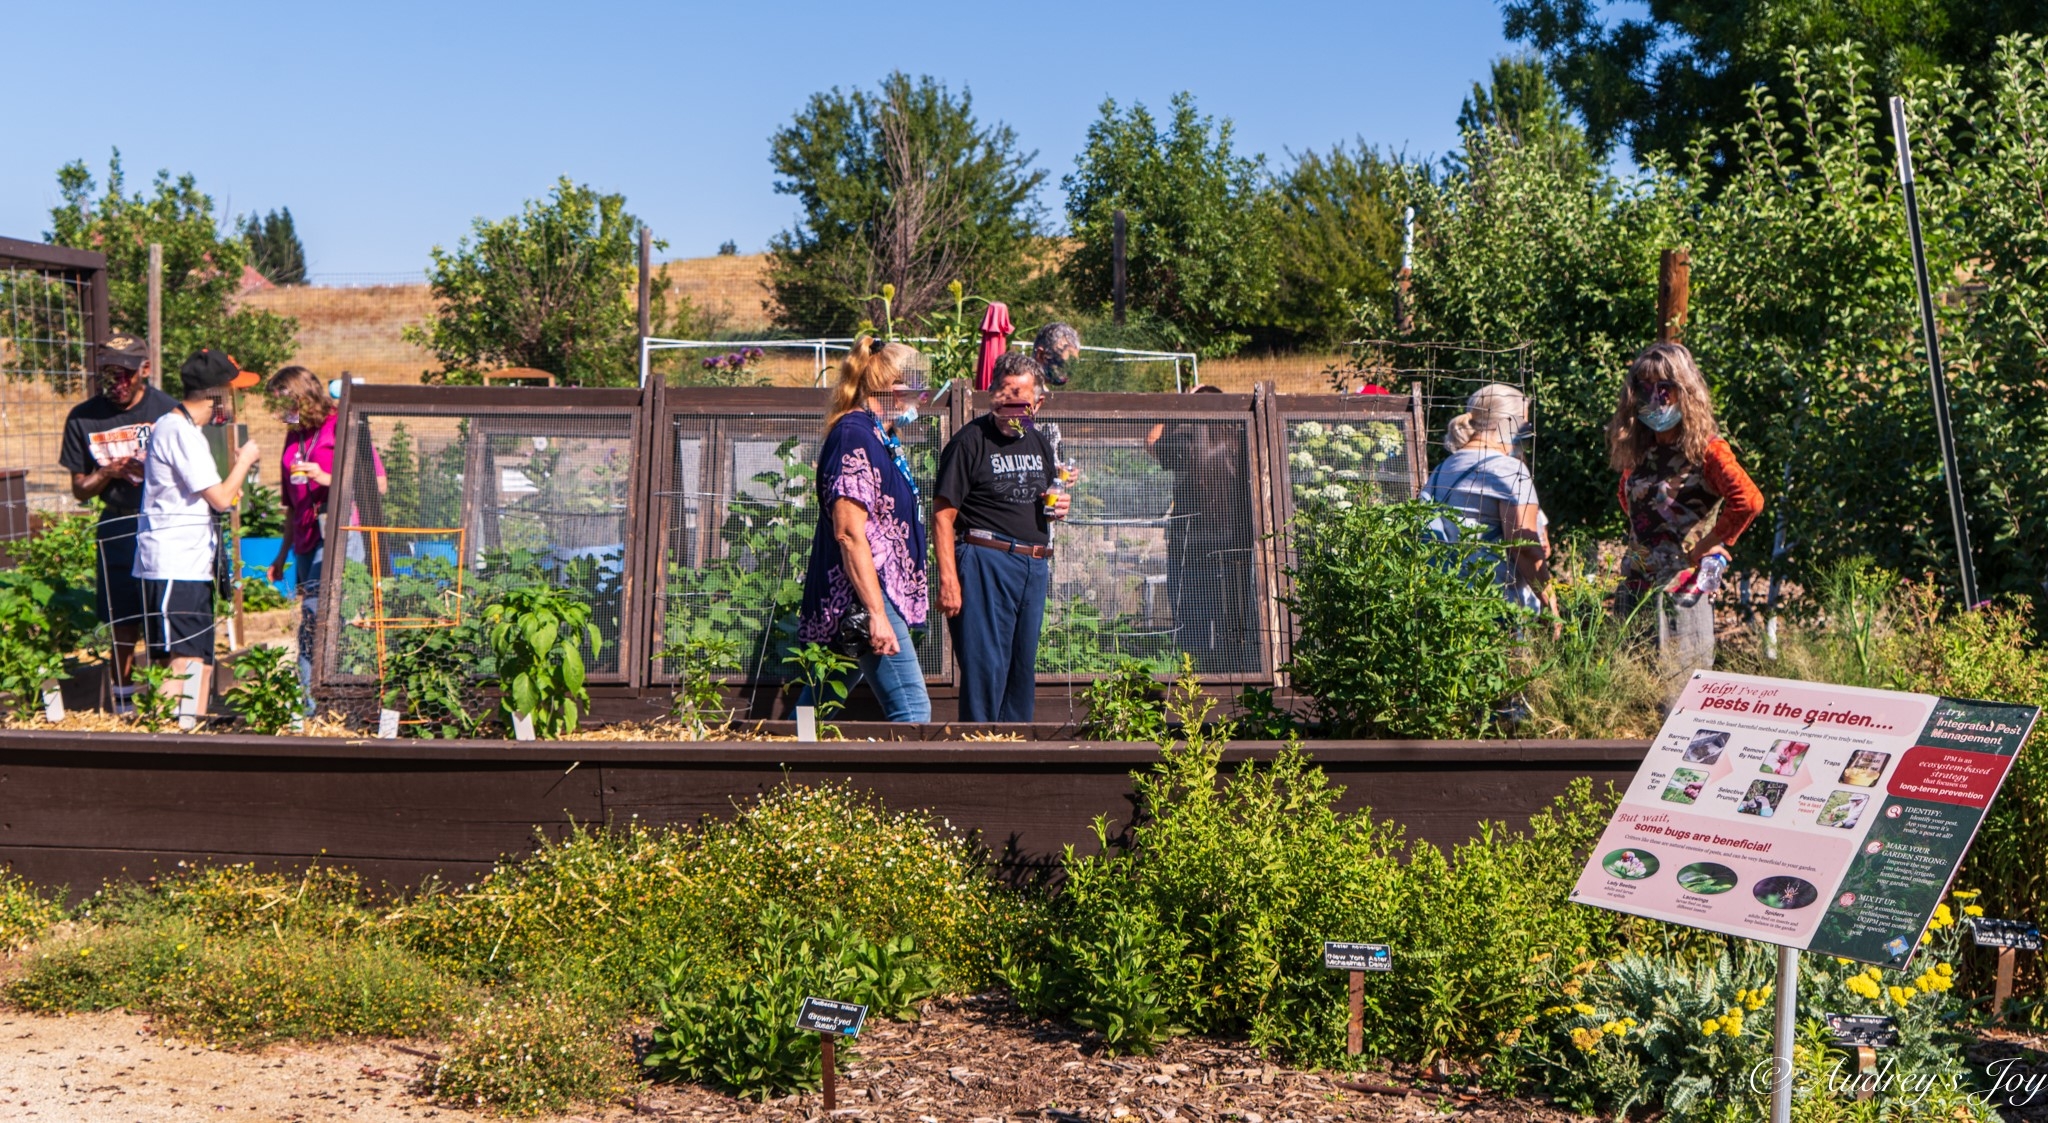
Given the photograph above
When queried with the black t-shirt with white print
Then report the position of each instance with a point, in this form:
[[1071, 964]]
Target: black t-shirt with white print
[[98, 432], [998, 480]]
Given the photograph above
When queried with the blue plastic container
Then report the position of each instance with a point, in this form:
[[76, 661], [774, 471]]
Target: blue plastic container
[[258, 553]]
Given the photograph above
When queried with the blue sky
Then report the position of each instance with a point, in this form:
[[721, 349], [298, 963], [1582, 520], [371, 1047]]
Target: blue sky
[[388, 127]]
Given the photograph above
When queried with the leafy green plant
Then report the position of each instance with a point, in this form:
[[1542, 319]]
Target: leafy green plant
[[699, 699], [426, 678], [262, 512], [157, 696], [1075, 639], [267, 693], [1127, 704], [1398, 635], [824, 672], [537, 634], [29, 655], [63, 554], [1258, 718], [752, 586], [740, 1032]]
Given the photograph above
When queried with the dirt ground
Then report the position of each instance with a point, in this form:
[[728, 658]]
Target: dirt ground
[[971, 1060]]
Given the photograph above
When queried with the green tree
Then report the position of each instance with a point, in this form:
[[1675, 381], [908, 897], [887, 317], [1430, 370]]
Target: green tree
[[202, 270], [1200, 239], [401, 479], [902, 186], [550, 288], [1521, 106], [1337, 229], [274, 246], [1655, 77]]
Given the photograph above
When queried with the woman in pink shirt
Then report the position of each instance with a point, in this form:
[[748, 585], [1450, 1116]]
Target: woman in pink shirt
[[301, 400]]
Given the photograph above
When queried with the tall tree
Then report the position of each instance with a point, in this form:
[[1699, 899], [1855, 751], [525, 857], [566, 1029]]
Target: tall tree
[[902, 186], [549, 288], [1663, 70], [1199, 247], [1338, 233], [202, 270], [274, 246], [1521, 106]]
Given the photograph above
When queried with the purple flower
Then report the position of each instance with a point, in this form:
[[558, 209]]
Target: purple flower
[[754, 354], [715, 362]]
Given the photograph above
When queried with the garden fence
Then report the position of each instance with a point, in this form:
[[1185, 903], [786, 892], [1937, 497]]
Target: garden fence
[[689, 511], [53, 307]]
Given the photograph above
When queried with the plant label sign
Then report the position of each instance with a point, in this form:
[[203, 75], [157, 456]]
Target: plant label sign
[[1339, 956], [1863, 1031], [833, 1019], [2019, 935], [387, 725], [1817, 817]]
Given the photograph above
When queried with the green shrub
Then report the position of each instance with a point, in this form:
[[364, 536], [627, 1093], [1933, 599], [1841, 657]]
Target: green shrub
[[30, 654], [738, 1031], [893, 873], [242, 990], [25, 912], [64, 556], [1127, 704], [529, 1055], [233, 900], [267, 693], [1399, 636]]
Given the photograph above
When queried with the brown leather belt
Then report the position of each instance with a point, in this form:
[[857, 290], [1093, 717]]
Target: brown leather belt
[[984, 538]]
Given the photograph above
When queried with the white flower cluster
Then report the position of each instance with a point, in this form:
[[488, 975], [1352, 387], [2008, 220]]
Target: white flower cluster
[[1329, 462]]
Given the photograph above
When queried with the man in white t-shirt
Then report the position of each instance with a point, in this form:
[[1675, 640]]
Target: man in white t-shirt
[[181, 489]]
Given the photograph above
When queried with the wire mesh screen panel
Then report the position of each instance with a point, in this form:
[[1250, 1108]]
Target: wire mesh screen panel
[[1159, 555], [739, 511], [46, 354], [452, 507], [1445, 373]]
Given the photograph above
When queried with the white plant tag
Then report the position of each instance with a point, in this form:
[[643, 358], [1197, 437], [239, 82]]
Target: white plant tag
[[188, 703], [387, 725], [522, 727], [53, 702], [299, 724], [806, 723]]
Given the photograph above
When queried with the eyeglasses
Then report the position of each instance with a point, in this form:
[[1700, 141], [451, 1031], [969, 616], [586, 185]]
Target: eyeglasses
[[1661, 389]]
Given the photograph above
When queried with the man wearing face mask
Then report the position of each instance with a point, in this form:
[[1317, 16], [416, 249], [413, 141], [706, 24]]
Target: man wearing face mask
[[106, 441], [991, 530], [1054, 347]]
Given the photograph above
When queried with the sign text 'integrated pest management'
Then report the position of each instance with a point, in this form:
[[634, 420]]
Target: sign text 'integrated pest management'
[[1824, 818]]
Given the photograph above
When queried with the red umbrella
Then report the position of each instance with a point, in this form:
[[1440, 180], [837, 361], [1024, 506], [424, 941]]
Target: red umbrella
[[995, 339]]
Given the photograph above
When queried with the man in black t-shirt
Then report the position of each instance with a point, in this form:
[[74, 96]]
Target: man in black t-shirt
[[106, 440], [991, 529]]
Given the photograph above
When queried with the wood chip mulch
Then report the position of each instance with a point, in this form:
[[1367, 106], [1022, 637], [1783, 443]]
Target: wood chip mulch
[[977, 1060]]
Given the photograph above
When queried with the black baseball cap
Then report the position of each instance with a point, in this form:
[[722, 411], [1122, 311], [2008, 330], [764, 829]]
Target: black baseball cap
[[124, 351], [213, 369]]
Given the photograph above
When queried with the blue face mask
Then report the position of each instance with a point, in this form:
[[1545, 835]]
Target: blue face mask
[[1660, 419], [905, 416]]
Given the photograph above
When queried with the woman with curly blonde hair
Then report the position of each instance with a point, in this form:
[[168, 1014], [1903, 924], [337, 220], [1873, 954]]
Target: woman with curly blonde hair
[[1686, 497]]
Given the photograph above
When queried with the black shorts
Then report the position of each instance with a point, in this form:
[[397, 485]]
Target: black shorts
[[120, 591], [179, 618]]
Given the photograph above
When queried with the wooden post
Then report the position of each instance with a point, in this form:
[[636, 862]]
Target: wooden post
[[1118, 280], [646, 282], [831, 1076], [156, 315], [2002, 990], [1674, 293], [1354, 1041], [1866, 1063]]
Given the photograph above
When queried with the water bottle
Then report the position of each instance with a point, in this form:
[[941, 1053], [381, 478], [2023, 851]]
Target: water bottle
[[1712, 567]]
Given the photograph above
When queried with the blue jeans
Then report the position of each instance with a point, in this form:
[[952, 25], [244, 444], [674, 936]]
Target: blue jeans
[[995, 637], [308, 568], [898, 680]]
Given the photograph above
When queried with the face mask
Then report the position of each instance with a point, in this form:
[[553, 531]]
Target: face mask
[[1016, 415], [291, 420], [905, 416], [1660, 419]]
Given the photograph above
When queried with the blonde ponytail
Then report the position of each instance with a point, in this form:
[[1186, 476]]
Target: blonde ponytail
[[1494, 410], [871, 368]]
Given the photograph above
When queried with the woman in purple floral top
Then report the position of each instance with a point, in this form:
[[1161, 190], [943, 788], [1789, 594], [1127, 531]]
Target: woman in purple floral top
[[869, 549]]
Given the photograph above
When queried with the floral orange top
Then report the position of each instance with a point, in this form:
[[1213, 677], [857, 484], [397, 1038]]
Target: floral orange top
[[1666, 497]]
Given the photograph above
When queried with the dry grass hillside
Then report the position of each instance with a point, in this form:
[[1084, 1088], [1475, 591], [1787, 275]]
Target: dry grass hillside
[[358, 330]]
